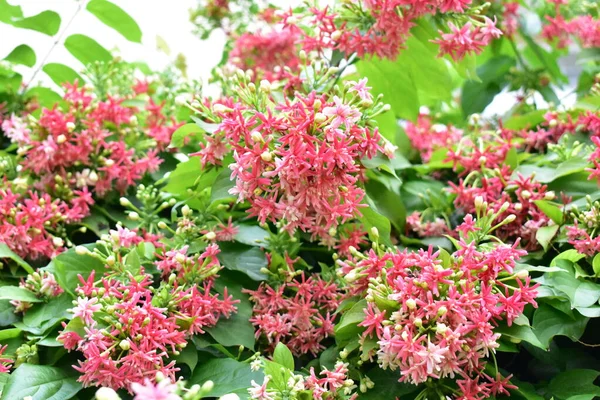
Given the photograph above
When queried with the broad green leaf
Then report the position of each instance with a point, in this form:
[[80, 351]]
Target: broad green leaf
[[45, 97], [221, 186], [525, 121], [596, 264], [23, 55], [6, 334], [493, 78], [247, 259], [7, 313], [387, 203], [283, 356], [5, 252], [61, 73], [114, 17], [581, 293], [41, 382], [46, 22], [540, 58], [237, 330], [394, 82], [183, 177], [347, 329], [387, 386], [228, 376], [549, 174], [41, 317], [551, 210], [17, 293], [576, 382], [545, 234], [68, 265], [179, 136], [549, 322], [372, 219], [86, 49], [188, 356], [252, 235], [520, 332]]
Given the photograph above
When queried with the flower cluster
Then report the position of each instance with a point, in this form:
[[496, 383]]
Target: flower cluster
[[584, 28], [382, 27], [126, 329], [297, 313], [43, 284], [433, 315], [427, 137], [327, 385], [297, 162]]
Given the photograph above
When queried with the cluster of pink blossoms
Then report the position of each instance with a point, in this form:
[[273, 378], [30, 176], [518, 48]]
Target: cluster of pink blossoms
[[131, 330], [382, 27], [29, 222], [298, 314], [327, 385], [43, 284], [271, 55], [434, 317], [585, 28], [426, 137], [509, 196], [297, 162]]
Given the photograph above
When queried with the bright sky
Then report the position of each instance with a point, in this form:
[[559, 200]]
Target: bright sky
[[167, 18]]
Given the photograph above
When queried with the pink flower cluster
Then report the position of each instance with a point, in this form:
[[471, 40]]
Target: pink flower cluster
[[382, 27], [514, 196], [434, 316], [427, 137], [297, 164], [131, 330], [548, 132], [5, 362], [43, 284], [298, 313], [269, 55], [585, 28], [427, 228], [482, 150], [28, 223]]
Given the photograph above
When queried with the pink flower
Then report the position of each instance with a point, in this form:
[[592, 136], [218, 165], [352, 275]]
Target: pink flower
[[343, 114], [85, 310], [260, 392], [164, 390]]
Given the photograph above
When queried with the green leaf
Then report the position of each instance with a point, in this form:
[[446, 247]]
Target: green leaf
[[372, 219], [252, 235], [347, 329], [283, 356], [86, 49], [17, 293], [46, 22], [41, 382], [179, 136], [7, 313], [61, 73], [68, 265], [394, 82], [525, 121], [114, 17], [549, 322], [221, 186], [5, 252], [596, 264], [386, 203], [188, 356], [545, 234], [493, 78], [228, 376], [581, 293], [237, 330], [576, 382], [183, 177], [247, 259], [551, 210], [387, 386], [520, 332], [41, 317], [45, 97], [23, 55]]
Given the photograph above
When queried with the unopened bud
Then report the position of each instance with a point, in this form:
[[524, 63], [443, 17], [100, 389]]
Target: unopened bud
[[411, 304], [162, 225], [265, 86], [522, 274], [125, 345], [80, 250], [266, 156], [70, 126], [210, 236], [124, 201], [105, 393], [58, 242], [61, 139], [134, 216]]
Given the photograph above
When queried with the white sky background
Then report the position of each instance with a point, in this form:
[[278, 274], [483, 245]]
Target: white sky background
[[167, 18]]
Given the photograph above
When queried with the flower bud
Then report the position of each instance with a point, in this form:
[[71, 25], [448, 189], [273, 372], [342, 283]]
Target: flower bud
[[80, 250], [257, 137], [124, 345], [134, 216], [162, 225], [186, 211], [124, 201], [105, 393], [70, 126], [61, 139], [265, 86], [411, 304], [58, 242], [266, 156], [522, 274], [220, 108], [210, 235], [110, 260], [336, 35]]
